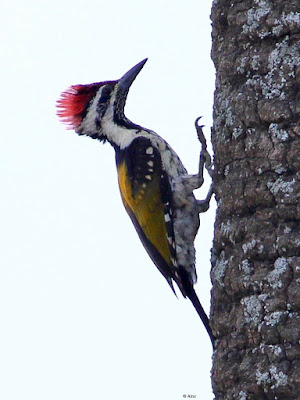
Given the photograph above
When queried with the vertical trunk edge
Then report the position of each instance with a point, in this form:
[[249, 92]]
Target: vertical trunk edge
[[255, 313]]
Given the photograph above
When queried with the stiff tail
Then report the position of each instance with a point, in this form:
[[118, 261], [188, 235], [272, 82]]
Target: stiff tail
[[187, 289], [202, 314]]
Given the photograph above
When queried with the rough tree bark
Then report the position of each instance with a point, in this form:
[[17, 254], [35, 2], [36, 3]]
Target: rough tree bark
[[256, 259]]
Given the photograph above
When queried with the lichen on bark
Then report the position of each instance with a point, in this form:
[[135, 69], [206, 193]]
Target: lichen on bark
[[256, 253]]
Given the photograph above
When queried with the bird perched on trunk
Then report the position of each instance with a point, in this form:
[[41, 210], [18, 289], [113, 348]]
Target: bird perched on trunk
[[156, 190]]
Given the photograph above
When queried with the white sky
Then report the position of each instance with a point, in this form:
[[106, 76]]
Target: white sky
[[84, 313]]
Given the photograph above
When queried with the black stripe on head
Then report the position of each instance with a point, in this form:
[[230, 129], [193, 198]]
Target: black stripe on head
[[119, 117], [104, 101]]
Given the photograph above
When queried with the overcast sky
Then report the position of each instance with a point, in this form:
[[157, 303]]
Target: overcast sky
[[84, 312]]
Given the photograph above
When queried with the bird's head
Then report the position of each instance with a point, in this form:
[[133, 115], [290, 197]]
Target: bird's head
[[93, 109]]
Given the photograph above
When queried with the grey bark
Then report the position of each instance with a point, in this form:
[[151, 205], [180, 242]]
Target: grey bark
[[255, 312]]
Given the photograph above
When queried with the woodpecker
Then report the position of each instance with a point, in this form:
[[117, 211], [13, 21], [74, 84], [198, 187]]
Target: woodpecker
[[156, 189]]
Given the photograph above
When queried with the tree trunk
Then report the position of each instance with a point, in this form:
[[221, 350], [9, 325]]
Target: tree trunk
[[256, 259]]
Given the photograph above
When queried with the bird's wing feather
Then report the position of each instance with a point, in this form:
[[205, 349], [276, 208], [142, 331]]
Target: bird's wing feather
[[147, 197]]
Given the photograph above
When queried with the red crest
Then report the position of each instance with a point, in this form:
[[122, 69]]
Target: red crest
[[73, 103]]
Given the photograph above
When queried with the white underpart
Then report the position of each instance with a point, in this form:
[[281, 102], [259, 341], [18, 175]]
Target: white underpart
[[185, 212]]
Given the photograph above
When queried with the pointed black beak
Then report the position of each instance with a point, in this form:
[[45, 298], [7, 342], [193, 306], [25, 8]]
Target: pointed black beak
[[122, 91], [127, 79]]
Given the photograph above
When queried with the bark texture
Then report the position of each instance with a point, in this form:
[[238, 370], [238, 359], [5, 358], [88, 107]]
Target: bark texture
[[256, 258]]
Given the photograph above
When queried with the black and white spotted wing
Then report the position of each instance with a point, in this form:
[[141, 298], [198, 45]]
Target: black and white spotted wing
[[147, 197]]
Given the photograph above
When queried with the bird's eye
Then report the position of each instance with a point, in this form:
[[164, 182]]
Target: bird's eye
[[105, 95]]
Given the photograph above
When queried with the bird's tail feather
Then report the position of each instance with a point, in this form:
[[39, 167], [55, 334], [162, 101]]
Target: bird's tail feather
[[187, 289], [202, 314]]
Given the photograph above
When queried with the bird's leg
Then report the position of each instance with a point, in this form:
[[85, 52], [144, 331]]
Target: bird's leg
[[203, 205], [192, 182], [204, 161]]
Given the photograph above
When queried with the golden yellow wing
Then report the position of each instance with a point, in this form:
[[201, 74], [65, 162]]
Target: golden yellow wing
[[146, 195]]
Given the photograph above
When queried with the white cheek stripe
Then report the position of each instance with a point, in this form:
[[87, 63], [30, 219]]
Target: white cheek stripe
[[88, 124]]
